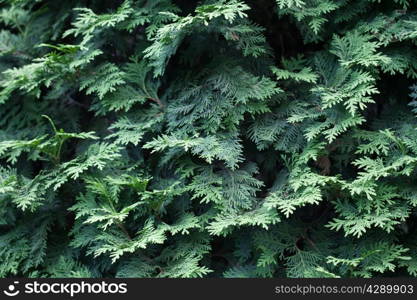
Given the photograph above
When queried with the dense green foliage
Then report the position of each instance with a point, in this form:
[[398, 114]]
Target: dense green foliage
[[216, 138]]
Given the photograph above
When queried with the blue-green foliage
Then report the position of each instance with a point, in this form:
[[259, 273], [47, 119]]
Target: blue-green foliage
[[163, 138]]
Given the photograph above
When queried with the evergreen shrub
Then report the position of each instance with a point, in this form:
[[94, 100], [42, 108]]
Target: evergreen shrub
[[215, 138]]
